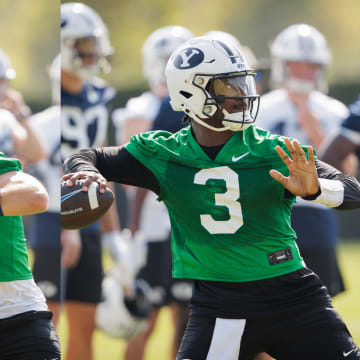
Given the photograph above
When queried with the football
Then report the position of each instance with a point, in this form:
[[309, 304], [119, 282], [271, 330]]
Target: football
[[82, 208]]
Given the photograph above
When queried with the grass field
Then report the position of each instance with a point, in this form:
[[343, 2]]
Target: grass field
[[348, 304]]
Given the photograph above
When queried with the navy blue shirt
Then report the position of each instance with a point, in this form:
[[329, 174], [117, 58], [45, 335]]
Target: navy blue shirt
[[85, 117], [167, 119], [352, 123]]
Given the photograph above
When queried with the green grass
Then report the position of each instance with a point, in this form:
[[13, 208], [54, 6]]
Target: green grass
[[159, 346], [348, 303]]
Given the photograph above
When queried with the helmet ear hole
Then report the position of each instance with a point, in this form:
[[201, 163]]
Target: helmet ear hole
[[186, 94]]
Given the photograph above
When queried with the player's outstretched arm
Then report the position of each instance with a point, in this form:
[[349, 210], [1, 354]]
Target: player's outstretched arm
[[21, 194], [334, 188]]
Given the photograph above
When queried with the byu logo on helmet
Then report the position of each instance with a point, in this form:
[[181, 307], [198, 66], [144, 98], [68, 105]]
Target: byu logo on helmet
[[188, 58]]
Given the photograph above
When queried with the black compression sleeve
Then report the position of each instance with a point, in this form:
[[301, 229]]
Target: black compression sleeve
[[115, 164], [351, 185]]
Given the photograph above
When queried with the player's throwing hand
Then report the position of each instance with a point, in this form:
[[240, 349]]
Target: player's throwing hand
[[88, 177]]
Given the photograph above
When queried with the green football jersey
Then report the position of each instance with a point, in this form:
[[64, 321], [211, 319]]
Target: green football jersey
[[230, 220], [14, 264]]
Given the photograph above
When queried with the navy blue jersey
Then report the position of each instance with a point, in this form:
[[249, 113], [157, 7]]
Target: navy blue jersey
[[84, 117], [167, 119], [351, 125]]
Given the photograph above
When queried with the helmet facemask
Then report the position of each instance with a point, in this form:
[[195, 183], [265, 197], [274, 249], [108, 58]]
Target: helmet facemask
[[87, 57], [229, 98]]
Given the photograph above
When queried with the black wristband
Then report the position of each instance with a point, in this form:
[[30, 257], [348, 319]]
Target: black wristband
[[313, 197]]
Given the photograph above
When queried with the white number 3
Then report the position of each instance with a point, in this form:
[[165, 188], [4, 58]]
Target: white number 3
[[229, 199]]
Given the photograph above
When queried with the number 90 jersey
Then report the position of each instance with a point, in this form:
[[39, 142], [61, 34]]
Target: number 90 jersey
[[229, 218], [84, 117]]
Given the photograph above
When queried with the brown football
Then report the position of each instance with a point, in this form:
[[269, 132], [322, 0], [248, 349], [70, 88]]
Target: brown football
[[82, 208]]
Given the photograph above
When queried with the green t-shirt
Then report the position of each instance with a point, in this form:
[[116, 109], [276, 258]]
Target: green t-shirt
[[228, 216], [14, 263]]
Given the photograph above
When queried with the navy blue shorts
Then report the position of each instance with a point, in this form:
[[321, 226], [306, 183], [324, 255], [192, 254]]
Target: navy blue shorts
[[83, 282], [157, 273]]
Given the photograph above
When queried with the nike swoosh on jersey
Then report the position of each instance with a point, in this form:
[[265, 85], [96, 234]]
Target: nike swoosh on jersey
[[237, 158], [346, 354]]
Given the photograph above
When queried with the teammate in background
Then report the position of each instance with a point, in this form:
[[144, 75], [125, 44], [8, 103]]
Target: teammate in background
[[46, 226], [300, 109], [26, 330], [347, 141], [85, 51], [149, 216], [17, 137], [230, 207]]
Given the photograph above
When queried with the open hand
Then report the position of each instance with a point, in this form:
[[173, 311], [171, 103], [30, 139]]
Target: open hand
[[302, 180]]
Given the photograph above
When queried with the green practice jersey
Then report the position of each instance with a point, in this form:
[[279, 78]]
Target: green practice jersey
[[14, 264], [230, 220]]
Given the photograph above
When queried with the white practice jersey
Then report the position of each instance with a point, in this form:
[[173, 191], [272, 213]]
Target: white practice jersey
[[145, 106], [154, 221], [48, 123], [279, 115], [9, 126], [19, 296]]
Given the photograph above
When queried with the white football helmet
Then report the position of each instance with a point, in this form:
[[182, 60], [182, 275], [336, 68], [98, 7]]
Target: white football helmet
[[6, 70], [54, 72], [79, 21], [301, 43], [157, 49], [247, 52], [223, 36], [119, 316], [203, 73]]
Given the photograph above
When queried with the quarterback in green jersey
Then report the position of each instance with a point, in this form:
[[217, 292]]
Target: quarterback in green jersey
[[26, 330], [229, 187]]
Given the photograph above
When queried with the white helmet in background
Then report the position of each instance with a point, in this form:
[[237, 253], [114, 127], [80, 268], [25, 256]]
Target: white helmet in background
[[6, 70], [157, 49], [299, 43], [198, 74], [54, 72], [79, 21], [119, 316]]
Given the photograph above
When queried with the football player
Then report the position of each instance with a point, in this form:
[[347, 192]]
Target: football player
[[85, 52], [347, 141], [148, 216], [26, 329], [16, 134], [229, 187], [301, 109]]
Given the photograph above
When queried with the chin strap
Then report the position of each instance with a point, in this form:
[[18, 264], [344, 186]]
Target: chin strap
[[205, 124], [232, 124]]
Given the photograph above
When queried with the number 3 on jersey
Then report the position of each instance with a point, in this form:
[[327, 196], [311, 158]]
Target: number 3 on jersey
[[229, 199]]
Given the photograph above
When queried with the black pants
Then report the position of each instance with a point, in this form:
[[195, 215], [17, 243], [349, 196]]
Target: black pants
[[290, 317], [29, 336], [322, 336]]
